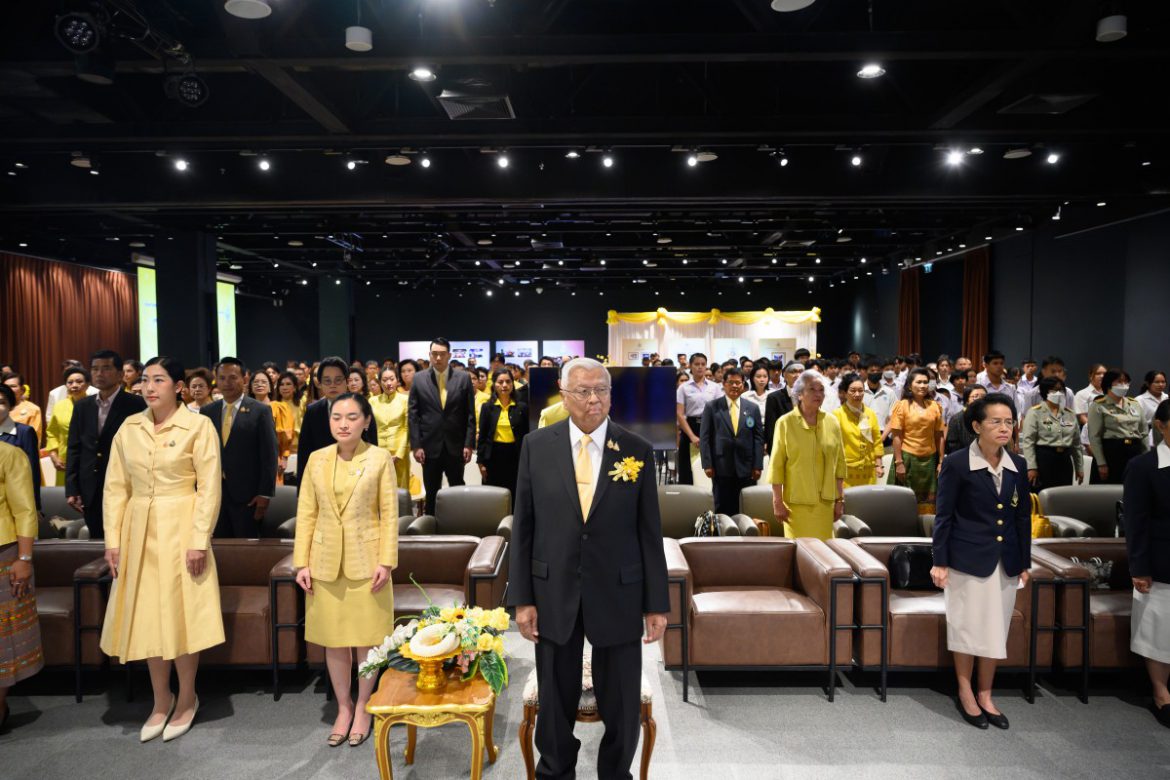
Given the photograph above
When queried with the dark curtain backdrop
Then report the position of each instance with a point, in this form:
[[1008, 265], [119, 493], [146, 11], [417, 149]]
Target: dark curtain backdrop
[[909, 325], [50, 311], [976, 303]]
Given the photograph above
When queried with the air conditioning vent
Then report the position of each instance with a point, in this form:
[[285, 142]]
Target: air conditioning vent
[[476, 100]]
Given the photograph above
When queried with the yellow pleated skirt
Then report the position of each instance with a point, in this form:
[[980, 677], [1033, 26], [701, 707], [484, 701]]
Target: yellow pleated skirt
[[344, 613], [810, 520]]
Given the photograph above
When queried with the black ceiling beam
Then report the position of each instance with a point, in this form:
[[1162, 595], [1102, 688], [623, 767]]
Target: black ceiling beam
[[299, 95]]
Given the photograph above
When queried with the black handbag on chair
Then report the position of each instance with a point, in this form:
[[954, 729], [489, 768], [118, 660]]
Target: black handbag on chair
[[910, 566]]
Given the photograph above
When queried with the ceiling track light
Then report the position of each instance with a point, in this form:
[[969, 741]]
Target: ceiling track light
[[1112, 28], [502, 160], [855, 161], [79, 32], [187, 89], [954, 158], [572, 154], [692, 160], [607, 160], [871, 70], [422, 74], [181, 165], [1052, 159], [425, 161], [264, 164], [248, 9]]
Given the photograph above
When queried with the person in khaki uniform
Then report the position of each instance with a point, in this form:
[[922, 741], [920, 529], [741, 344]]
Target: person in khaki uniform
[[346, 546], [1117, 428], [162, 499], [1050, 438]]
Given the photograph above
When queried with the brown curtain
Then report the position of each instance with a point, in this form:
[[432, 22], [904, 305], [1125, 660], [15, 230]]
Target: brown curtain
[[976, 303], [50, 311], [909, 328]]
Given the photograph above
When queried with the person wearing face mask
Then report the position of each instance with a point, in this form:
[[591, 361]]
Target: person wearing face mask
[[1117, 427], [861, 433], [1050, 439], [878, 396]]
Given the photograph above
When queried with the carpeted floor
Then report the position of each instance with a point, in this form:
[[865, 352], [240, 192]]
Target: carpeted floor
[[749, 726]]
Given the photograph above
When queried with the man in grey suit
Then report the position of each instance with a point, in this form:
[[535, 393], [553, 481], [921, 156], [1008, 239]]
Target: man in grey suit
[[441, 421], [247, 436], [587, 562]]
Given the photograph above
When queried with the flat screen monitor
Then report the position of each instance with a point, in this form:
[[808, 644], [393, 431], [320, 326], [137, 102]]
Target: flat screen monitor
[[557, 349], [464, 351], [414, 350], [518, 351]]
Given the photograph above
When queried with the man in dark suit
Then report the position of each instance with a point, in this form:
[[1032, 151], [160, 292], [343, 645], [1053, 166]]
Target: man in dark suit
[[587, 561], [731, 443], [780, 402], [96, 418], [247, 437], [315, 432], [441, 420]]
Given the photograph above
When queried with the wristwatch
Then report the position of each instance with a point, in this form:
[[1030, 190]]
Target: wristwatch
[[25, 558]]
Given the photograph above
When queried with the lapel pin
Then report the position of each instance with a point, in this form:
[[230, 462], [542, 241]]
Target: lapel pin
[[611, 444]]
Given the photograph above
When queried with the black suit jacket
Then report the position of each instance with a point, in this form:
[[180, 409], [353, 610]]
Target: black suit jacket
[[731, 454], [434, 428], [974, 527], [249, 459], [1147, 517], [489, 417], [776, 405], [315, 434], [88, 452], [611, 569]]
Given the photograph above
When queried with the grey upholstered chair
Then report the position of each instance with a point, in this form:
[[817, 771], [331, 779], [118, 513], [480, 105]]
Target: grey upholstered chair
[[882, 510], [1082, 510], [681, 505], [470, 510]]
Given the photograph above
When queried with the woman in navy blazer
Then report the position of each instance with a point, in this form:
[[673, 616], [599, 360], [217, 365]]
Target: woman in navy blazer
[[982, 551], [1147, 541]]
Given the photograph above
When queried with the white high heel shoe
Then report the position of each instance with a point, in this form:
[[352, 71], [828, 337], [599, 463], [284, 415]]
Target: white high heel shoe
[[174, 732], [150, 732]]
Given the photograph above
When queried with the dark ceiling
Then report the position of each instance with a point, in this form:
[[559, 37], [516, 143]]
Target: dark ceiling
[[648, 82]]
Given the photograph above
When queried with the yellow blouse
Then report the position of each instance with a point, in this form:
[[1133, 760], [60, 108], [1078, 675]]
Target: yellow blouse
[[860, 435], [30, 414], [391, 419], [297, 412], [481, 398], [504, 432], [553, 414], [807, 461], [285, 432], [18, 511], [57, 434]]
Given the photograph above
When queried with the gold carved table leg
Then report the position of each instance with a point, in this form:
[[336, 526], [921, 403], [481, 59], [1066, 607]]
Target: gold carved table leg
[[493, 749], [382, 746], [411, 739]]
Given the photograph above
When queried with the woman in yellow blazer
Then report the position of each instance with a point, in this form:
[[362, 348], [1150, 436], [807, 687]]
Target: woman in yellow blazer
[[20, 632], [161, 502], [288, 395], [390, 409], [808, 464], [346, 546], [57, 434], [260, 388], [861, 434]]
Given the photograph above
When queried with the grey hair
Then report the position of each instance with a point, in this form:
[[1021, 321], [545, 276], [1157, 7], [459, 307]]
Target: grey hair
[[803, 380], [583, 364]]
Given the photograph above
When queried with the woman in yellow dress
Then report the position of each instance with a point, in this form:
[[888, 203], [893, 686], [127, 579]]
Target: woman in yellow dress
[[288, 395], [861, 434], [161, 503], [260, 388], [57, 434], [393, 434], [346, 546], [808, 464]]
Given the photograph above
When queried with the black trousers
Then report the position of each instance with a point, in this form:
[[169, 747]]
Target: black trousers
[[236, 521], [685, 477], [503, 467], [617, 682], [1055, 467], [434, 469], [94, 520], [1118, 454], [726, 490]]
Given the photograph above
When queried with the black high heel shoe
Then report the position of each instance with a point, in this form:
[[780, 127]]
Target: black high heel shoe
[[1000, 721], [978, 721]]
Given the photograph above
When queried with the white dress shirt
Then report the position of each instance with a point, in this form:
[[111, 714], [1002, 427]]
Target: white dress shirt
[[596, 445], [1085, 396], [58, 394]]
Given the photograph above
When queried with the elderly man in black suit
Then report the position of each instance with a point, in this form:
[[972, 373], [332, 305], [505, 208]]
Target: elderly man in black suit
[[731, 443], [96, 418], [587, 562], [441, 421], [315, 431]]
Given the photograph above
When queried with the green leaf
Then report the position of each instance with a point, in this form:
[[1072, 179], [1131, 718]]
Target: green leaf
[[494, 671], [402, 664], [472, 670]]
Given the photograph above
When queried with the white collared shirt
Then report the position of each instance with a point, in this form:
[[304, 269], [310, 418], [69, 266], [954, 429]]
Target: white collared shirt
[[1163, 456], [8, 426], [976, 461], [596, 445], [104, 407]]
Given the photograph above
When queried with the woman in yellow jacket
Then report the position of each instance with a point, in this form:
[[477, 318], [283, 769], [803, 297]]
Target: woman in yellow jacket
[[346, 546], [289, 395], [57, 433], [260, 388], [861, 434], [390, 407], [162, 500], [807, 471], [20, 632]]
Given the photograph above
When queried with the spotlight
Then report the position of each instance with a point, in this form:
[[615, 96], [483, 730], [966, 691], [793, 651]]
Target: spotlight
[[94, 171], [783, 161], [425, 162], [358, 38], [78, 32], [862, 260], [248, 9], [740, 280], [817, 261], [188, 89], [263, 164], [954, 158], [988, 238], [871, 70], [181, 165], [422, 74], [1052, 159], [607, 161], [855, 161], [811, 279], [502, 160], [1100, 203], [351, 165], [572, 154], [1019, 228], [1018, 153], [975, 150], [692, 160]]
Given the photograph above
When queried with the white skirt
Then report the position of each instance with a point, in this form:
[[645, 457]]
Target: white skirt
[[979, 612], [1149, 625]]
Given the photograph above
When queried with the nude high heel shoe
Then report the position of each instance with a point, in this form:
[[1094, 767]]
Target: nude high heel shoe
[[150, 732], [174, 732]]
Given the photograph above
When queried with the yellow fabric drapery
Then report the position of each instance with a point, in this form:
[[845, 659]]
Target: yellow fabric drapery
[[662, 316]]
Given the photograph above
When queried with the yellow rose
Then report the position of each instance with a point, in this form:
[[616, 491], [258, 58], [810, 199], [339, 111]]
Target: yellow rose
[[498, 645], [485, 643], [500, 620]]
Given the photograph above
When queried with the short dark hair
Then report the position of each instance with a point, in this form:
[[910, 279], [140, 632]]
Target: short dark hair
[[977, 412], [135, 364], [200, 373], [442, 342], [362, 402], [231, 361], [11, 375], [106, 354], [907, 389], [968, 390], [802, 351], [362, 373], [691, 359], [174, 370], [9, 395], [1028, 360], [1047, 385], [993, 355], [849, 379], [482, 370], [75, 370], [333, 361], [1162, 413], [1111, 376], [269, 364], [1051, 360], [730, 371]]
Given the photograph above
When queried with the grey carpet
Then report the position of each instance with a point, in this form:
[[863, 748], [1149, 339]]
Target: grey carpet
[[748, 726]]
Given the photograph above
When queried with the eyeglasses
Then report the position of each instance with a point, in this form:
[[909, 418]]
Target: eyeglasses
[[585, 392], [996, 423]]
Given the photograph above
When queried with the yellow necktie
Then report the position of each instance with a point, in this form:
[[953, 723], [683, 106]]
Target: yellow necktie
[[443, 390], [734, 409], [585, 477], [226, 427]]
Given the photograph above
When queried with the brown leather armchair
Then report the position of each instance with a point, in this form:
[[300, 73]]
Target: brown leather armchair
[[913, 623], [1082, 510], [680, 505], [762, 603], [470, 510], [882, 510], [1106, 612]]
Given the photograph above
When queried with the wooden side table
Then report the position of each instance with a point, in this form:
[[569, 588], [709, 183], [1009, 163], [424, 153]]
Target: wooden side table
[[397, 700]]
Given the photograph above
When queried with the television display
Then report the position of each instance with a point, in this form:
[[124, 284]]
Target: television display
[[557, 349], [464, 351], [518, 351]]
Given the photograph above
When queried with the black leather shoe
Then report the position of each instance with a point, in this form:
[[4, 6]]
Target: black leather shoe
[[1162, 714], [1000, 721], [978, 721]]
